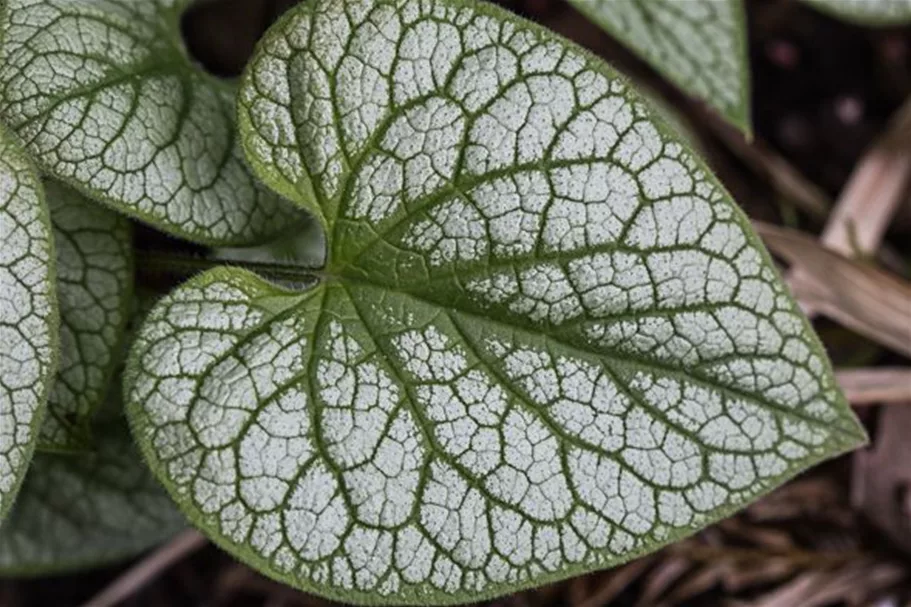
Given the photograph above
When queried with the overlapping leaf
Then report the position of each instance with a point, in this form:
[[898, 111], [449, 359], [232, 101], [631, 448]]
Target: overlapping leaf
[[28, 314], [106, 99], [80, 511], [301, 248], [867, 12], [700, 45], [545, 339], [94, 274]]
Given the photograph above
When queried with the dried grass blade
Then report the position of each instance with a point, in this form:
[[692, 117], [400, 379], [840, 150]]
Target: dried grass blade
[[876, 385], [860, 297]]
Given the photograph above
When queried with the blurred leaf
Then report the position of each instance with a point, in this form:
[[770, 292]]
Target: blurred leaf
[[662, 578], [851, 584], [82, 511], [616, 581], [867, 12], [700, 45], [865, 208]]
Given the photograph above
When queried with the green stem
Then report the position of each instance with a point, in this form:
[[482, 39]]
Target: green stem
[[157, 265]]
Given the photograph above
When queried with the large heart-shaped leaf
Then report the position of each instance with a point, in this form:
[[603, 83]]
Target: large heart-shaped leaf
[[28, 314], [86, 510], [867, 12], [107, 99], [544, 340], [94, 286], [700, 45]]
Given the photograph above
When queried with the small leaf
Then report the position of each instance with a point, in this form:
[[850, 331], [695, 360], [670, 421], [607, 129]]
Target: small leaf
[[867, 12], [107, 99], [545, 340], [94, 285], [28, 314], [87, 510], [700, 45]]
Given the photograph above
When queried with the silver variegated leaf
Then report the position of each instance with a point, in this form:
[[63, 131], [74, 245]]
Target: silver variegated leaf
[[95, 284], [107, 99], [544, 340], [28, 314]]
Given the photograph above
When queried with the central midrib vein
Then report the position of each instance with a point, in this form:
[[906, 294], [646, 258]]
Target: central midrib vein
[[300, 277]]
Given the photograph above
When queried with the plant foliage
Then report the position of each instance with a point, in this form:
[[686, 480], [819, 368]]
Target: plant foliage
[[120, 112], [867, 12], [700, 45], [521, 334], [544, 340], [28, 314]]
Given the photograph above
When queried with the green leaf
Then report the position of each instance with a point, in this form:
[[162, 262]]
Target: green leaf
[[82, 511], [544, 341], [95, 281], [107, 99], [867, 12], [28, 314], [700, 45], [302, 247]]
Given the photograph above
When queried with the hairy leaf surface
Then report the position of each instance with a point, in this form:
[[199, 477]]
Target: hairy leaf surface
[[107, 99], [700, 45], [545, 340], [28, 314], [94, 286], [867, 12], [86, 510]]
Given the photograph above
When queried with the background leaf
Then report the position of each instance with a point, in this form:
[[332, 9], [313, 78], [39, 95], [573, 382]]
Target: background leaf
[[120, 112], [28, 314], [95, 283], [546, 340], [867, 12], [87, 510], [700, 45]]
